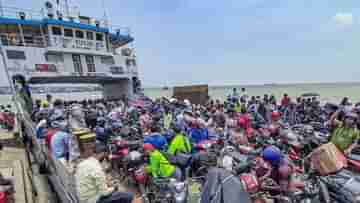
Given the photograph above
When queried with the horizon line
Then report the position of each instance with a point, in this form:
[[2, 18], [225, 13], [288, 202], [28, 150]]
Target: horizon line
[[258, 84]]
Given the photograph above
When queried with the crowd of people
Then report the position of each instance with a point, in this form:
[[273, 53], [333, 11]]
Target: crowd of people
[[171, 128]]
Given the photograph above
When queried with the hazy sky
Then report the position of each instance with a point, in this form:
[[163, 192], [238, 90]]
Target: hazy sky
[[236, 41]]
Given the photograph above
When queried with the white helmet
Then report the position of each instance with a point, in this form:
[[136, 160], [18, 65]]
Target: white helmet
[[187, 102], [173, 100]]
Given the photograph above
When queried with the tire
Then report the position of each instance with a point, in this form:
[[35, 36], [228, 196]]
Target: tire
[[144, 196], [324, 193]]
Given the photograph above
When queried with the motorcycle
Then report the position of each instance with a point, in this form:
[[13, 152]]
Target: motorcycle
[[353, 160], [344, 187], [122, 153], [7, 120], [134, 173], [167, 190], [205, 158]]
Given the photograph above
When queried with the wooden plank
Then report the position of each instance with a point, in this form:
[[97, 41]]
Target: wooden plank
[[20, 194]]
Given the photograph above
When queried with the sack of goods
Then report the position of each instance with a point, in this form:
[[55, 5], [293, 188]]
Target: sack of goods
[[327, 159]]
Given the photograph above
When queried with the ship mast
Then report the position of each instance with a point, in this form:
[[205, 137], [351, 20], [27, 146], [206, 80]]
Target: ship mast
[[105, 13], [67, 8], [1, 8]]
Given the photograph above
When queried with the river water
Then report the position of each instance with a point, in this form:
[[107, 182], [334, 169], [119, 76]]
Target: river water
[[328, 92]]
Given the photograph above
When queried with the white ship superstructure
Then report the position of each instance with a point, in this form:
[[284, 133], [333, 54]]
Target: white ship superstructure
[[58, 45]]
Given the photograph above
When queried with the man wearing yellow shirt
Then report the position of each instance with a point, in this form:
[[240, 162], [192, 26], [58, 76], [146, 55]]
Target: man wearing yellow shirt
[[180, 143], [159, 166]]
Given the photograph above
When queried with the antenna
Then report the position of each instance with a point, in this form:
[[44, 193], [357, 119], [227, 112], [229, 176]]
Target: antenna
[[105, 14], [67, 8], [1, 8]]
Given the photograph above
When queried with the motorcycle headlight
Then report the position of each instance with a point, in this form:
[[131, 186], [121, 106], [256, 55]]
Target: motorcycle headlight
[[180, 198], [179, 187], [357, 199]]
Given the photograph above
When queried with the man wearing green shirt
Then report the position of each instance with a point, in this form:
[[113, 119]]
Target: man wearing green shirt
[[180, 143], [345, 135], [159, 166]]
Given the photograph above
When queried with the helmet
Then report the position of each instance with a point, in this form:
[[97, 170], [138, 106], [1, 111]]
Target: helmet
[[57, 115], [101, 121], [116, 126], [187, 102], [285, 171], [148, 147], [44, 104], [275, 115], [272, 154], [252, 108], [177, 127], [351, 115], [59, 124], [242, 123], [173, 100]]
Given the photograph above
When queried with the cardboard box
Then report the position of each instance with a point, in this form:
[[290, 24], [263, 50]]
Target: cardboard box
[[328, 159]]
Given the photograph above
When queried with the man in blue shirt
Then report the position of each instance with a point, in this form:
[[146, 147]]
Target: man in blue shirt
[[156, 139], [60, 144], [63, 144], [198, 132]]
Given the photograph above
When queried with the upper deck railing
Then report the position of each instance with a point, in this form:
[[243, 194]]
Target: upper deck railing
[[29, 40], [13, 12], [30, 14]]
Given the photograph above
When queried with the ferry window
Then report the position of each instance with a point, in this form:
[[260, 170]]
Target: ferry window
[[54, 58], [68, 33], [99, 37], [12, 54], [90, 35], [108, 60], [56, 31], [77, 64], [79, 34], [90, 63]]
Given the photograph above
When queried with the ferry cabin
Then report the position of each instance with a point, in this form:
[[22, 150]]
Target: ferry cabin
[[73, 50]]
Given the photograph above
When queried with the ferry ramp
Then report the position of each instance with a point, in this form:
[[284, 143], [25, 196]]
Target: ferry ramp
[[30, 186]]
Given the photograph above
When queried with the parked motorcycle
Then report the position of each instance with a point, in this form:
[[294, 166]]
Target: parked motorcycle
[[7, 120], [344, 187], [167, 190]]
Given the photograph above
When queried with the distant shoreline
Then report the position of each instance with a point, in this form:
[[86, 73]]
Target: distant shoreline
[[267, 85]]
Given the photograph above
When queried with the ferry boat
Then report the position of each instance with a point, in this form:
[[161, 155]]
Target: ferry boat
[[58, 45]]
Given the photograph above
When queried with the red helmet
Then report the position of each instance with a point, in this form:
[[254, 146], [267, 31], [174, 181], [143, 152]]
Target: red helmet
[[285, 171], [148, 147], [242, 123], [275, 115]]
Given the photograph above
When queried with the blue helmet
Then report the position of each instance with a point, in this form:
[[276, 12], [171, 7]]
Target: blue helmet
[[116, 126], [177, 127], [272, 154], [101, 121]]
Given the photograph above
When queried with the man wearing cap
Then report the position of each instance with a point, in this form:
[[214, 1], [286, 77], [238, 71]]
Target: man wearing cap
[[346, 135], [91, 182], [159, 165]]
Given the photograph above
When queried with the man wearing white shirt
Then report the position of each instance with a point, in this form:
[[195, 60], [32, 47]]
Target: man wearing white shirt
[[91, 182]]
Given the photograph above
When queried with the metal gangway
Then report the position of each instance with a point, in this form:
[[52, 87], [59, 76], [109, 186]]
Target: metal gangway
[[61, 180]]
